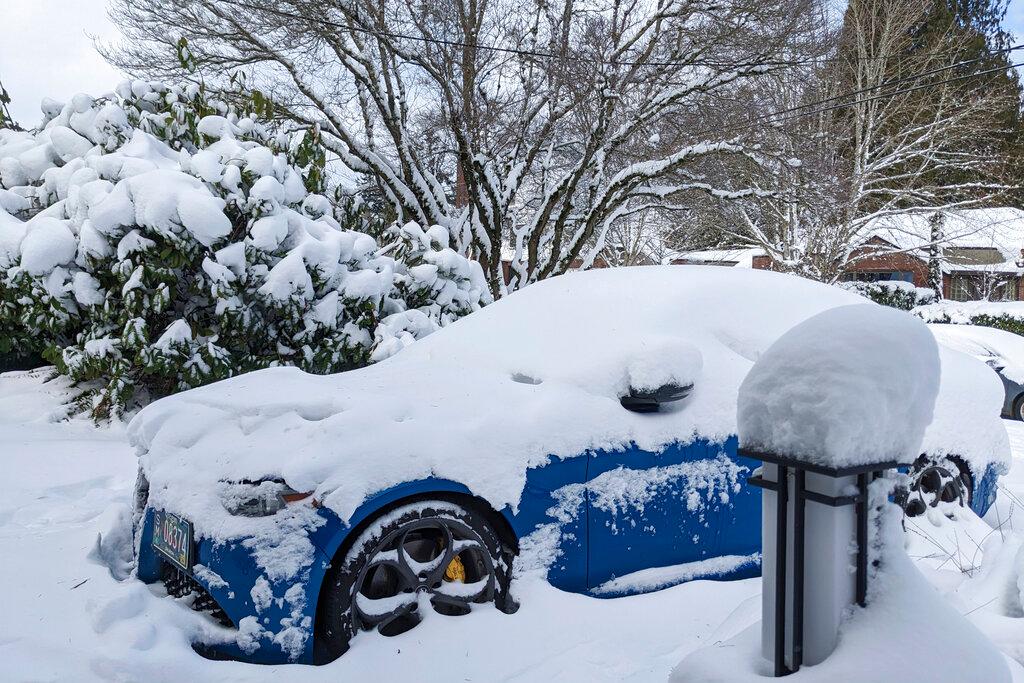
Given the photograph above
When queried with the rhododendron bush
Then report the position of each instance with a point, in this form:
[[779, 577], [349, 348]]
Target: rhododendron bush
[[153, 240]]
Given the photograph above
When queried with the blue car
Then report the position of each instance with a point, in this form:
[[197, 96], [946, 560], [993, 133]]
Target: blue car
[[581, 430]]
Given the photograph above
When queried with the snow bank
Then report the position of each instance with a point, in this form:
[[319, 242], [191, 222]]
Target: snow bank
[[537, 374], [907, 632], [962, 312], [853, 385]]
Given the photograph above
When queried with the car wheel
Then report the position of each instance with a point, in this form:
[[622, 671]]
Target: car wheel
[[934, 483], [427, 556], [1018, 408]]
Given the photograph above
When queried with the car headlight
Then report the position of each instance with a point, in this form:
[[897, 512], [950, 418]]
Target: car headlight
[[258, 498]]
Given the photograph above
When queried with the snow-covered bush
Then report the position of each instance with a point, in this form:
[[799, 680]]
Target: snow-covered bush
[[1007, 315], [155, 240], [894, 293]]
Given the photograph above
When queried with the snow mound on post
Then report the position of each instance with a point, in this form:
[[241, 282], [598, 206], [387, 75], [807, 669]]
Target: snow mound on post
[[852, 385]]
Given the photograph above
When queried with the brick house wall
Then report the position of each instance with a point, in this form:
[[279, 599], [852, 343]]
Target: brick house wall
[[887, 263], [882, 263]]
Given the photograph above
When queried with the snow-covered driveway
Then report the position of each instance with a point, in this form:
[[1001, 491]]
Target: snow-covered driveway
[[65, 617]]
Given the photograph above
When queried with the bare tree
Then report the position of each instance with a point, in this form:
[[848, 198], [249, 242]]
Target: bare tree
[[543, 109], [638, 239], [868, 139]]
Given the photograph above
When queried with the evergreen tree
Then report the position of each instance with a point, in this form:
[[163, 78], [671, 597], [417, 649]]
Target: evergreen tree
[[971, 31]]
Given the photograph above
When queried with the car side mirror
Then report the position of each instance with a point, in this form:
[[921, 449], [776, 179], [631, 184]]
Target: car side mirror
[[651, 400]]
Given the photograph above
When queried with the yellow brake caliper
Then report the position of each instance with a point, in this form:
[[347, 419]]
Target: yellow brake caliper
[[455, 570]]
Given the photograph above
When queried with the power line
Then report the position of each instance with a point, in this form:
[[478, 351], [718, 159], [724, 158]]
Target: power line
[[380, 33], [795, 112], [904, 79]]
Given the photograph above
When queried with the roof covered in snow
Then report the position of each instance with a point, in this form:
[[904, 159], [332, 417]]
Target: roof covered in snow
[[973, 239], [536, 374], [741, 257]]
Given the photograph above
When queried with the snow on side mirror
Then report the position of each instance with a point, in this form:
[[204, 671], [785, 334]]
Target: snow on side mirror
[[651, 400], [659, 371]]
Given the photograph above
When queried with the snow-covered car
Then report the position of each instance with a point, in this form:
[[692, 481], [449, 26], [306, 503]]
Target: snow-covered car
[[583, 428], [1003, 351]]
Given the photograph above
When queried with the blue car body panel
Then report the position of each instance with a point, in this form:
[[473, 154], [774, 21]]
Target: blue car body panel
[[681, 522], [597, 542], [985, 488]]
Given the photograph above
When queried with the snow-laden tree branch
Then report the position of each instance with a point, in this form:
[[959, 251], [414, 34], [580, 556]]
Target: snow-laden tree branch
[[543, 111]]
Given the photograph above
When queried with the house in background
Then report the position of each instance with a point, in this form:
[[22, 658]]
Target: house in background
[[982, 254], [742, 257]]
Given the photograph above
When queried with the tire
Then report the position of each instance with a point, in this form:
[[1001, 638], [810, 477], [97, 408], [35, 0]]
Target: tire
[[1018, 408], [934, 482], [430, 553]]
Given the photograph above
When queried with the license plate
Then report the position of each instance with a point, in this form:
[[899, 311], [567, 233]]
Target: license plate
[[172, 538]]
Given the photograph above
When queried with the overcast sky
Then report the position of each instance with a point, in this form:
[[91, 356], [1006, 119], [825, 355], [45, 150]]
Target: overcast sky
[[46, 50]]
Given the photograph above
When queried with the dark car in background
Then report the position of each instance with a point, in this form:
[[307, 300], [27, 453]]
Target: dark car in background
[[1001, 350]]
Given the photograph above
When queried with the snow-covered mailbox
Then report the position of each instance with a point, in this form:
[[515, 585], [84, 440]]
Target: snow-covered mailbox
[[828, 408]]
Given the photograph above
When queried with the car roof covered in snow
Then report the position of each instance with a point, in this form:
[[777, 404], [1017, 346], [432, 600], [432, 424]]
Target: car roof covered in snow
[[537, 374], [1004, 349]]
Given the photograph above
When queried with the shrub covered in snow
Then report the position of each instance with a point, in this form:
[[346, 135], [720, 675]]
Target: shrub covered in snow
[[1007, 315], [154, 240], [894, 293]]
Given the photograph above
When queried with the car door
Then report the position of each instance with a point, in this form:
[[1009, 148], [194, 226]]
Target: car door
[[666, 515]]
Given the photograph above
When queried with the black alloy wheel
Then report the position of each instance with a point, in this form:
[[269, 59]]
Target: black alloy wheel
[[434, 556]]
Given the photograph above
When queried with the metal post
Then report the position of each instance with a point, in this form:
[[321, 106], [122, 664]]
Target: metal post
[[862, 539], [780, 570], [798, 567]]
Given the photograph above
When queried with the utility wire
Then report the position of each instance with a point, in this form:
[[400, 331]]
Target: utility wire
[[785, 114], [380, 33], [796, 113], [904, 79]]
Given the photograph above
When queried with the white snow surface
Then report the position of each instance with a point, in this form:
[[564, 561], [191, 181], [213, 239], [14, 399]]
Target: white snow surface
[[966, 419], [537, 374], [656, 578], [48, 243], [906, 633], [851, 386], [961, 312], [73, 613]]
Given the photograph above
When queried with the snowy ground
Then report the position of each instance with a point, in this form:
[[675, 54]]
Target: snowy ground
[[64, 616]]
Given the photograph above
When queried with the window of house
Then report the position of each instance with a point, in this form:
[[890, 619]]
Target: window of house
[[881, 276], [974, 286], [1007, 290], [960, 287]]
